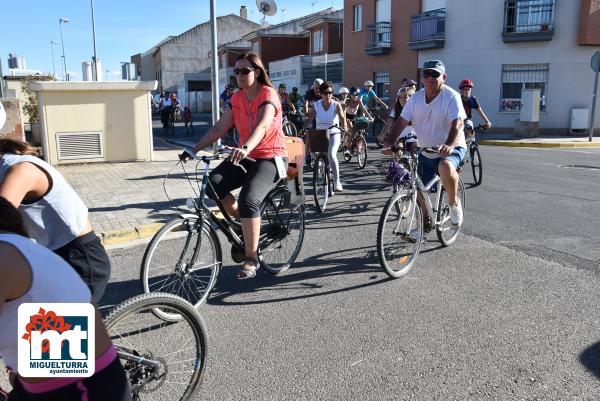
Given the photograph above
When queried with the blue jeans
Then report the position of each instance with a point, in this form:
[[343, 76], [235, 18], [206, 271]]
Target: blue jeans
[[429, 167]]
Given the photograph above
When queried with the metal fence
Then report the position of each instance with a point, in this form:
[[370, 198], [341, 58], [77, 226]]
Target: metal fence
[[428, 25], [379, 35], [314, 68], [528, 16]]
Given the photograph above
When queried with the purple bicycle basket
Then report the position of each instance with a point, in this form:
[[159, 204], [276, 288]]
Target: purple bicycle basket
[[398, 174]]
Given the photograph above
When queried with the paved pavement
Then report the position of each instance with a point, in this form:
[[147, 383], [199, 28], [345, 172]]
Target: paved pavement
[[130, 201]]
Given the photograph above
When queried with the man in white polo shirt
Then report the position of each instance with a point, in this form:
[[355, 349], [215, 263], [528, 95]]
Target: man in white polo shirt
[[436, 113]]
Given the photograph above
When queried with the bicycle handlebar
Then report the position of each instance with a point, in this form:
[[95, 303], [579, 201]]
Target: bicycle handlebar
[[221, 150]]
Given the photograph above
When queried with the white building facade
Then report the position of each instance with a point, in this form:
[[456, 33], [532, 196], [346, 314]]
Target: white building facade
[[508, 46]]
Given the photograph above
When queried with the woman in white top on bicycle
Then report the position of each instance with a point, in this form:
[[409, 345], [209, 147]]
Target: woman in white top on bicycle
[[329, 112]]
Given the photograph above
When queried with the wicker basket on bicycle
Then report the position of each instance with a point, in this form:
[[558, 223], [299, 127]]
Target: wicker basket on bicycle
[[361, 123], [318, 141]]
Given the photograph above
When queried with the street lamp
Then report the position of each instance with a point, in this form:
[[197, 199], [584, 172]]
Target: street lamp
[[52, 43], [94, 66], [60, 22]]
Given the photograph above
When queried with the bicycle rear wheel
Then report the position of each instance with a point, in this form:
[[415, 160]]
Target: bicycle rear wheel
[[320, 184], [476, 165], [289, 129], [378, 126], [163, 360], [167, 263], [445, 230], [281, 232], [361, 152], [399, 234]]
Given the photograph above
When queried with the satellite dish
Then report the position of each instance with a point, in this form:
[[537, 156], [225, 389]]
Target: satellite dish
[[267, 7]]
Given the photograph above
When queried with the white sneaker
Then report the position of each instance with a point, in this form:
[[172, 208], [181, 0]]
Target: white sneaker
[[338, 187], [456, 213], [347, 153]]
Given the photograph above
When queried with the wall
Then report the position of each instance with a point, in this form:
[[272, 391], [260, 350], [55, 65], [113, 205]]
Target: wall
[[188, 52], [14, 90], [279, 48], [589, 31], [480, 58], [335, 38], [401, 62], [120, 110], [429, 5], [13, 127]]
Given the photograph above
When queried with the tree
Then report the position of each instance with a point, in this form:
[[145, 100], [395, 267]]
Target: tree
[[31, 104]]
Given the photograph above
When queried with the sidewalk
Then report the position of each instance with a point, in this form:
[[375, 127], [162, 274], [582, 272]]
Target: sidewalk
[[541, 142], [127, 201]]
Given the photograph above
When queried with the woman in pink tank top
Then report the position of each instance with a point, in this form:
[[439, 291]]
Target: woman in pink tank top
[[256, 114]]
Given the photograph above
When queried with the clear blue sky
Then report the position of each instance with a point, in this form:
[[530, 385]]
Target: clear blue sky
[[123, 28]]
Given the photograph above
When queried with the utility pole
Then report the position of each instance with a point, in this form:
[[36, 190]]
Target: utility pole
[[62, 40], [215, 67], [94, 66]]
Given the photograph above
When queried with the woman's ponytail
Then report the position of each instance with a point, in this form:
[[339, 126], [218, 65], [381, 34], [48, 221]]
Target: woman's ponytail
[[17, 147]]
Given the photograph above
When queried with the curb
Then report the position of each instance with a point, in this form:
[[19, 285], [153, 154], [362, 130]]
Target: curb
[[517, 144], [144, 231]]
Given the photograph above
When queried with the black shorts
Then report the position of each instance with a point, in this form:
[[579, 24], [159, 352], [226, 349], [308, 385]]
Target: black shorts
[[110, 383], [255, 178], [89, 259], [350, 116]]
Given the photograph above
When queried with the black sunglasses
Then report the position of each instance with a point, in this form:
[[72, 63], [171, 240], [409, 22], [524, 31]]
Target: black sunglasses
[[243, 71], [431, 74], [328, 93]]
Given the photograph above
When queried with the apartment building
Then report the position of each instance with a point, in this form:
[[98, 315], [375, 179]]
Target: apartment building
[[376, 36], [506, 46]]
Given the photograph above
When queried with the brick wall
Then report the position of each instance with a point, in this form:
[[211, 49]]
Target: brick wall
[[273, 49], [401, 62], [589, 23], [13, 128]]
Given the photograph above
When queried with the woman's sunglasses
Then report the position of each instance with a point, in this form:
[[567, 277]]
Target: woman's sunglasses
[[328, 93], [431, 74], [243, 71]]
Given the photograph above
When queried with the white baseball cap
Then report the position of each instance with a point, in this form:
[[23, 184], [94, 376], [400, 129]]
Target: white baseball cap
[[2, 116], [318, 81]]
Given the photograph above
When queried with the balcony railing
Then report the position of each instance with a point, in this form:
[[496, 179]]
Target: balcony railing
[[428, 30], [528, 20], [379, 38]]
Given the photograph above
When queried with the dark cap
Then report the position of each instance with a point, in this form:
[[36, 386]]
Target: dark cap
[[435, 65]]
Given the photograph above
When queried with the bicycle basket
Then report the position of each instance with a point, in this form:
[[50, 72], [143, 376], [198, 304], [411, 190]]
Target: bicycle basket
[[398, 174], [361, 123], [318, 141]]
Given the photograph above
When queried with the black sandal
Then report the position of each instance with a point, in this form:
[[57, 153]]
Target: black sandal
[[244, 274]]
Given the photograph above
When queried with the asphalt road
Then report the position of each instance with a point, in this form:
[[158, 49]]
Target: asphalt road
[[509, 312]]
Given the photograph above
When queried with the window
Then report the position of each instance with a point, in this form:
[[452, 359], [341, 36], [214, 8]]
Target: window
[[382, 85], [528, 15], [318, 41], [516, 77], [358, 18]]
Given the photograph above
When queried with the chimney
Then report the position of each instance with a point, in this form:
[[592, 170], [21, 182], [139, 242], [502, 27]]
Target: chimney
[[244, 12]]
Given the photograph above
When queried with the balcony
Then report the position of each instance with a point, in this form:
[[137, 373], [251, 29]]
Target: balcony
[[428, 30], [528, 20], [379, 38]]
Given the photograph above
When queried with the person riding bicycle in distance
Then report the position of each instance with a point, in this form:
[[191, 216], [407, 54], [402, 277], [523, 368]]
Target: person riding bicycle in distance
[[367, 94], [256, 114], [437, 115], [469, 103], [286, 104]]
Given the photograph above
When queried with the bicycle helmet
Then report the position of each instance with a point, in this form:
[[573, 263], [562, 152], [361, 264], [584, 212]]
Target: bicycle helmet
[[465, 82], [282, 85], [469, 125], [408, 82], [409, 135], [342, 90], [294, 89], [369, 83], [353, 91]]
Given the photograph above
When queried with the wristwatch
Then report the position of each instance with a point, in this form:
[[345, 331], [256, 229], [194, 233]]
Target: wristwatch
[[245, 147]]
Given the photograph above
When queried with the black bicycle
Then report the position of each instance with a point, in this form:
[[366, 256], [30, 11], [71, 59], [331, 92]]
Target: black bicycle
[[378, 123], [184, 257], [474, 156], [163, 360]]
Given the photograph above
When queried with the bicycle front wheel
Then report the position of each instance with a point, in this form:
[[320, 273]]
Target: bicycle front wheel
[[163, 361], [399, 234], [320, 184], [476, 165], [361, 152], [183, 258], [378, 126], [445, 230], [289, 129], [281, 232]]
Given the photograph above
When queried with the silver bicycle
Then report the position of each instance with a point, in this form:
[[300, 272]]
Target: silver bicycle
[[402, 226]]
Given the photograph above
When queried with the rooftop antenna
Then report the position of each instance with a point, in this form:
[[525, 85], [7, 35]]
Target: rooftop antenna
[[282, 11], [313, 6], [266, 8]]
